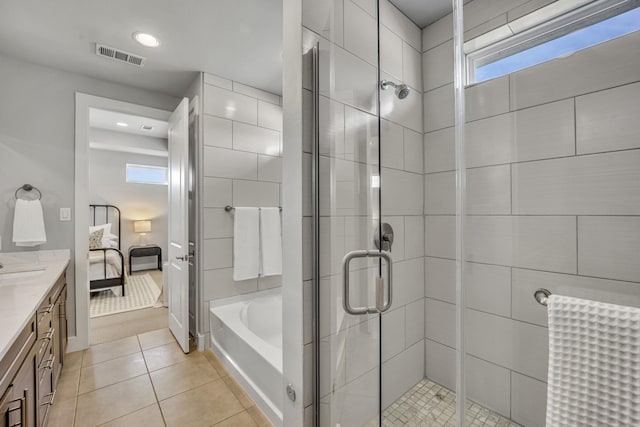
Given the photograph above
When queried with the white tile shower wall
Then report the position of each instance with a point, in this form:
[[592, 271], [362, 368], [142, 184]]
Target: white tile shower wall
[[242, 167], [346, 31], [552, 200]]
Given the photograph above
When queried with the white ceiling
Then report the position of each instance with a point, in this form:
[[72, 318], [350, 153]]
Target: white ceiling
[[103, 119], [424, 12], [239, 39]]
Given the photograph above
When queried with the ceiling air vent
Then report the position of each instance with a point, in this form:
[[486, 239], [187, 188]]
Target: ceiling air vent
[[119, 55]]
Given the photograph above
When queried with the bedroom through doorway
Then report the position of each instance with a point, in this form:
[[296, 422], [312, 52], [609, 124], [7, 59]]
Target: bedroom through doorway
[[128, 211]]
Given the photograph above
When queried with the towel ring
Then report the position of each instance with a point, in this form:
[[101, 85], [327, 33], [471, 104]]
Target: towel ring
[[28, 188], [542, 296]]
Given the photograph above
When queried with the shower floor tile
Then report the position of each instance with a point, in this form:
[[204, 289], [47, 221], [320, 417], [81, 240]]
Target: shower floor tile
[[430, 404]]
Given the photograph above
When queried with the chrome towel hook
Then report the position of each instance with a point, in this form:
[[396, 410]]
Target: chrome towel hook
[[542, 296]]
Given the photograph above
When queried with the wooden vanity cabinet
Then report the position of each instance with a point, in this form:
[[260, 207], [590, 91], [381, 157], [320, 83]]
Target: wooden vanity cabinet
[[31, 368]]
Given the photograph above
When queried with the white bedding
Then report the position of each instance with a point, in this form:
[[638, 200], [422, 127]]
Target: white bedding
[[96, 265]]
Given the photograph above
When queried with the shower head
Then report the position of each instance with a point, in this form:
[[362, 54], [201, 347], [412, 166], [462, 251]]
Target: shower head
[[402, 91]]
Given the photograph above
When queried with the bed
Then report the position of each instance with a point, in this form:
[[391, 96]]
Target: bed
[[106, 263]]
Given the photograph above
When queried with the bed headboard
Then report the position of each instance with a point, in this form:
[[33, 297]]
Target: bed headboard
[[109, 213]]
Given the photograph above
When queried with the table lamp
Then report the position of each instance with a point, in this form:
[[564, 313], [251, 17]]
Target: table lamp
[[142, 227]]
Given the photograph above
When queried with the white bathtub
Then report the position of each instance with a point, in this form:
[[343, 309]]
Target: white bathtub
[[246, 333]]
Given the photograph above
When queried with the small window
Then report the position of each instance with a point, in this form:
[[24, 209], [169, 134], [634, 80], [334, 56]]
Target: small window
[[143, 174], [558, 36]]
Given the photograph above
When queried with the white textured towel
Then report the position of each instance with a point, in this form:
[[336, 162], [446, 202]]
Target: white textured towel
[[594, 364], [246, 243], [28, 223], [270, 241]]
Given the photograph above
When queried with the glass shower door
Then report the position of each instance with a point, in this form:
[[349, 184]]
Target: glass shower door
[[341, 91]]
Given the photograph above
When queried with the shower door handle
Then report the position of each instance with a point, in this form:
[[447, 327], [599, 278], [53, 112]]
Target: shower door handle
[[381, 306]]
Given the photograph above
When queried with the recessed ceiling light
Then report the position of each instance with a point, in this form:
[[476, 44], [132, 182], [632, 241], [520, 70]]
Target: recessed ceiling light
[[146, 128], [146, 40], [122, 124]]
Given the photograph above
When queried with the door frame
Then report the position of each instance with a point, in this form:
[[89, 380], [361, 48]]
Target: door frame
[[84, 103]]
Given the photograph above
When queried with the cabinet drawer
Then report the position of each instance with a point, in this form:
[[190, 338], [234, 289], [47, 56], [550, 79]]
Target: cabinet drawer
[[10, 363]]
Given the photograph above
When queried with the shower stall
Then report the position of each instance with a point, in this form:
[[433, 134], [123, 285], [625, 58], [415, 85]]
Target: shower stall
[[451, 172]]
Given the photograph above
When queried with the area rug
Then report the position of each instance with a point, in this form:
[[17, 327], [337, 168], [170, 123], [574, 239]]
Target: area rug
[[140, 292]]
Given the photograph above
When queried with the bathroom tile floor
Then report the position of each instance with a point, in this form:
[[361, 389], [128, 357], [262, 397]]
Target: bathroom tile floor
[[146, 380], [429, 404]]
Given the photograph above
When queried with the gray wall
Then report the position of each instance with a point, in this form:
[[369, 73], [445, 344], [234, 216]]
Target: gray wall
[[107, 185], [37, 116], [552, 201]]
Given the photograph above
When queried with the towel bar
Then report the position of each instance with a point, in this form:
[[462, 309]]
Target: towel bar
[[229, 208], [542, 295]]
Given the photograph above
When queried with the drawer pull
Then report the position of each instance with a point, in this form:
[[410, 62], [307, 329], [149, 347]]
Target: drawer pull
[[51, 397], [47, 363], [22, 409]]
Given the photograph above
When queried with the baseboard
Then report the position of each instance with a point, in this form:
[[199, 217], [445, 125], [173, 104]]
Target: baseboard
[[203, 341], [73, 345]]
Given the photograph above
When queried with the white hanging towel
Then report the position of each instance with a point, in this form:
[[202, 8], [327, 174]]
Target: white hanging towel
[[246, 243], [594, 364], [28, 223], [271, 241]]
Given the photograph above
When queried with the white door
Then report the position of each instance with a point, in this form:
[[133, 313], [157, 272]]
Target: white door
[[179, 224]]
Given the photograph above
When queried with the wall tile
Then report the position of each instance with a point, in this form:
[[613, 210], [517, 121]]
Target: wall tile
[[528, 400], [230, 105], [255, 139], [393, 330], [391, 53], [488, 98], [397, 22], [545, 131], [398, 247], [490, 141], [438, 108], [543, 243], [526, 282], [391, 145], [401, 373], [437, 33], [220, 284], [223, 163], [217, 132], [440, 279], [216, 193], [439, 151], [217, 253], [508, 343], [348, 79], [609, 120], [360, 33], [324, 18], [488, 190], [414, 236], [360, 136], [440, 362], [269, 116], [217, 223], [363, 341], [487, 288], [413, 156], [269, 282], [269, 168], [440, 193], [331, 117], [437, 66], [411, 67], [481, 11], [406, 112], [400, 190], [256, 93], [599, 184], [488, 384], [369, 6], [440, 322], [440, 232], [414, 323], [210, 79], [608, 247], [255, 194], [408, 280], [606, 65]]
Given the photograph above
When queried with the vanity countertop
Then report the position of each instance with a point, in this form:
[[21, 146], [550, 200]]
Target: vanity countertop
[[26, 280]]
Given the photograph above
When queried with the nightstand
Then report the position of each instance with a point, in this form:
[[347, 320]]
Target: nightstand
[[143, 251]]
